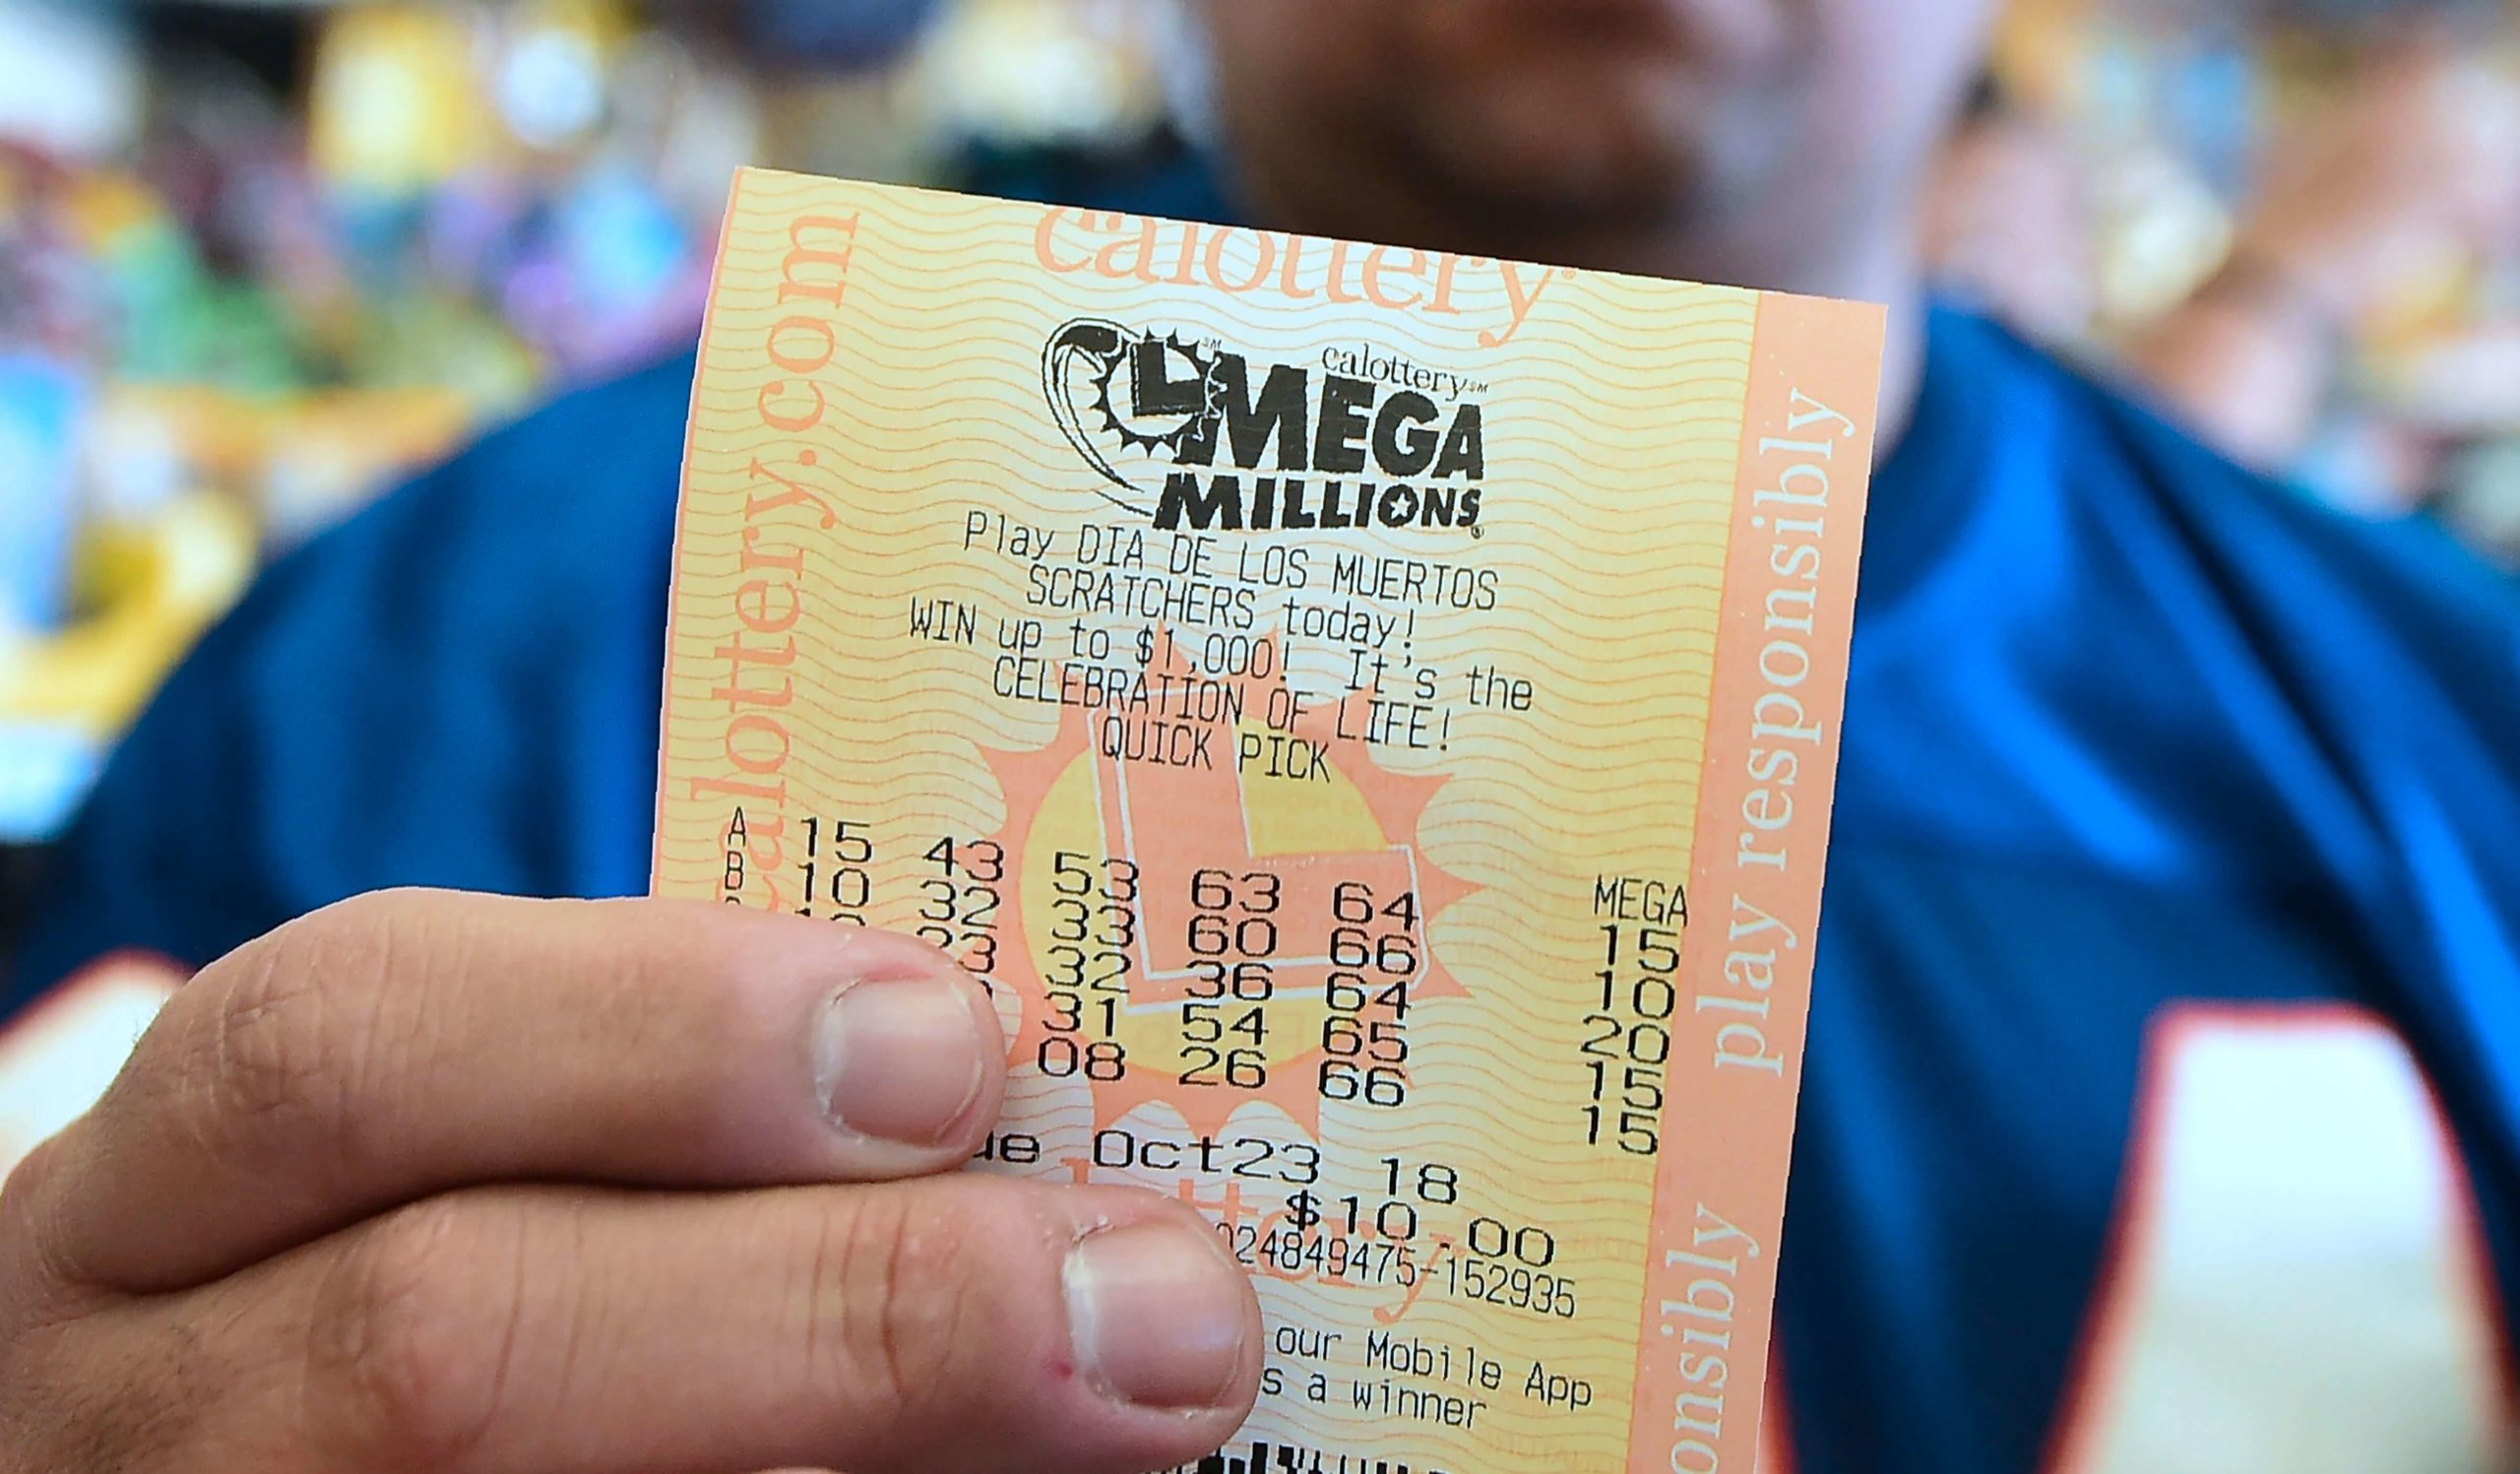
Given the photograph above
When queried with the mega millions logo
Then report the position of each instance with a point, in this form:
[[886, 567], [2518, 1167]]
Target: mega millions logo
[[1194, 435], [1210, 910]]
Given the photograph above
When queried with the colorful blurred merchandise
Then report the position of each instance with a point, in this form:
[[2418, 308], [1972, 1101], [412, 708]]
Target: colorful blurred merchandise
[[39, 414], [229, 316], [245, 285], [2167, 118]]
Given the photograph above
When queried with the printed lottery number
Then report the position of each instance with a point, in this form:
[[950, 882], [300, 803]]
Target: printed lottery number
[[1094, 929], [1233, 941], [1373, 957], [959, 903], [1627, 1044], [837, 870]]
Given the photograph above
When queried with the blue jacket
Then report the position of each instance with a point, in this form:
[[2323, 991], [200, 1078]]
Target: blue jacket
[[2163, 1108]]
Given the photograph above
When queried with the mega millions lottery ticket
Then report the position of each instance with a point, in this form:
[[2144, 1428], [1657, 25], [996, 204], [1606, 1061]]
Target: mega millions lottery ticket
[[1370, 714]]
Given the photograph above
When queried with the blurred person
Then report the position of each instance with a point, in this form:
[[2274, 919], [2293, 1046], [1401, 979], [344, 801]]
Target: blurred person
[[2412, 176], [2162, 1103], [2008, 221]]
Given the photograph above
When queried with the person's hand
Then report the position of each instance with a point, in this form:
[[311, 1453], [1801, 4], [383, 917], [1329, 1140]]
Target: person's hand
[[444, 1183]]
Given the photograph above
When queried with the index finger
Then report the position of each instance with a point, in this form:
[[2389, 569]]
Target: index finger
[[401, 1046]]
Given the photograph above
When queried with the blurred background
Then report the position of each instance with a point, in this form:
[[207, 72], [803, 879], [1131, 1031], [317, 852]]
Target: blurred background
[[260, 260]]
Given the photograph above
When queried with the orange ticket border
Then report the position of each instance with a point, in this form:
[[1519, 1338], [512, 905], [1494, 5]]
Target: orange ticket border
[[1759, 848]]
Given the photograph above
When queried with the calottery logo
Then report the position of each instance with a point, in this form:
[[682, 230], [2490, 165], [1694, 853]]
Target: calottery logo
[[1196, 435]]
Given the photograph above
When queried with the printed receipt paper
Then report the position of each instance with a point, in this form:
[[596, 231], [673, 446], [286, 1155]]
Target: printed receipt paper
[[1370, 715]]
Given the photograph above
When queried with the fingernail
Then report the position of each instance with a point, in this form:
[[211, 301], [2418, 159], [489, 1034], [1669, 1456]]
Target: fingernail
[[898, 1061], [1159, 1315]]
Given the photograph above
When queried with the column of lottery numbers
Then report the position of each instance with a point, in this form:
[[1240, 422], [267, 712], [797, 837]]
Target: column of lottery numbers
[[1373, 957], [958, 902], [1233, 942], [1627, 1043], [837, 870], [1093, 943]]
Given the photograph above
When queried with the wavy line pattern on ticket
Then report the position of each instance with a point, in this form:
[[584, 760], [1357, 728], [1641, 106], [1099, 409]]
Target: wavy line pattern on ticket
[[1370, 715]]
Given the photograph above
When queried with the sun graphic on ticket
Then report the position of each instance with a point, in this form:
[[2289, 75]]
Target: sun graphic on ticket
[[1251, 931], [1370, 715]]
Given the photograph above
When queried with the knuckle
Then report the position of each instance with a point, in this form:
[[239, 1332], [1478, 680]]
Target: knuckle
[[300, 1022], [23, 1188], [32, 1272], [406, 1343], [903, 1302], [270, 1043]]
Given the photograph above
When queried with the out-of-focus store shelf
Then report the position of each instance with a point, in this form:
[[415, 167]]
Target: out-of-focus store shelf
[[2155, 121], [230, 312], [238, 294], [262, 258]]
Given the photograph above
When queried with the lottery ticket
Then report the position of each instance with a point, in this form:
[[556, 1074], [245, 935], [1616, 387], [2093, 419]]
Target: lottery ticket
[[1370, 715]]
